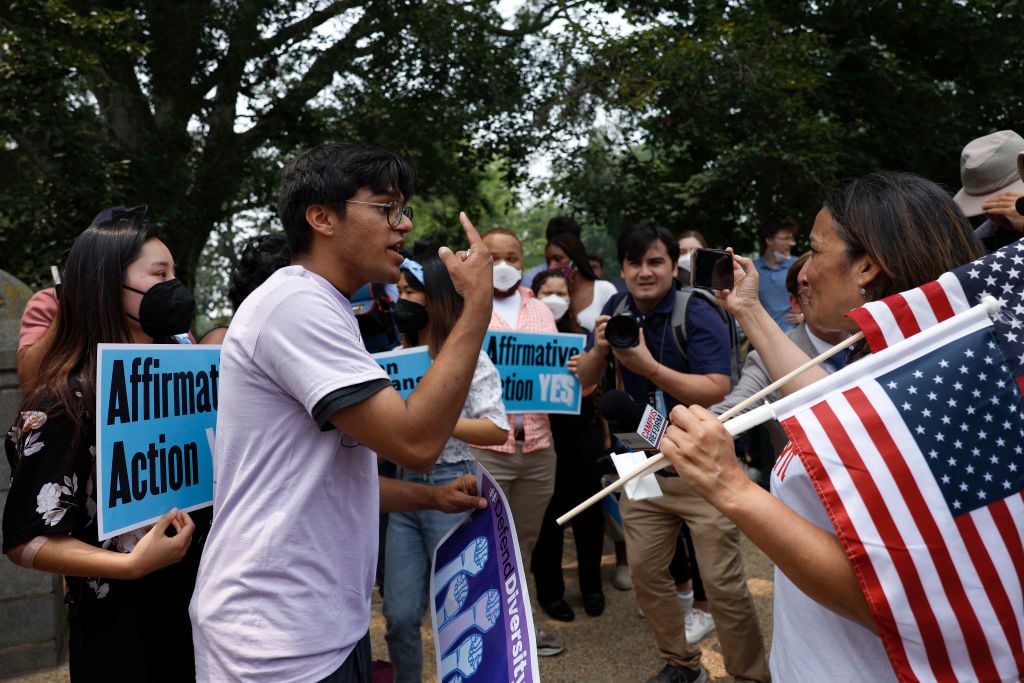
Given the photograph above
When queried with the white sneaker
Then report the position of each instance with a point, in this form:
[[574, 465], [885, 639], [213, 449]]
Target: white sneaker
[[548, 644], [698, 625], [621, 578]]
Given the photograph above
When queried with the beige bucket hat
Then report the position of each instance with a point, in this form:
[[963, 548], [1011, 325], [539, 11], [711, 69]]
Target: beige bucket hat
[[989, 166]]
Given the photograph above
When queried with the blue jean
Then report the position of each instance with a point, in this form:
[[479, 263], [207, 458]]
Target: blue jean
[[409, 548]]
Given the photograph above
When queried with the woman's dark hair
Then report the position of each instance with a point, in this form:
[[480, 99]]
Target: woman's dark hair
[[331, 173], [562, 224], [635, 240], [695, 234], [259, 258], [568, 321], [89, 312], [444, 304], [908, 225], [574, 249]]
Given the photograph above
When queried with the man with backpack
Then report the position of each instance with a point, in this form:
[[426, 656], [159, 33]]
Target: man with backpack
[[664, 364]]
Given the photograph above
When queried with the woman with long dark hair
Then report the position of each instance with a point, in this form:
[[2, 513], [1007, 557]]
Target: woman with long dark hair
[[127, 596], [426, 311], [589, 294]]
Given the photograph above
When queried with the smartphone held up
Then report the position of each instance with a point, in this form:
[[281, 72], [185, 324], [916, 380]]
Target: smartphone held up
[[711, 269]]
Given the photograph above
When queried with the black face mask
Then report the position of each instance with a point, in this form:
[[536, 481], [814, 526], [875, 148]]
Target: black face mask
[[410, 317], [167, 308]]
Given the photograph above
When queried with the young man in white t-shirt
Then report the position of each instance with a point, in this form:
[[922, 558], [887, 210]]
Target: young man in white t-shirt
[[283, 591]]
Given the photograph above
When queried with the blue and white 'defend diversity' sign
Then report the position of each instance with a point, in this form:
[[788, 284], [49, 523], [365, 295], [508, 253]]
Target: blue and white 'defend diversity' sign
[[156, 411], [480, 608], [533, 368]]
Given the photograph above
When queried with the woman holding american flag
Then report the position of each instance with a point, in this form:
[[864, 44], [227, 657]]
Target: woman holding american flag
[[874, 237]]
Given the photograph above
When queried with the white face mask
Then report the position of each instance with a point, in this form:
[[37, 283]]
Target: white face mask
[[557, 304], [506, 277], [780, 257], [684, 260]]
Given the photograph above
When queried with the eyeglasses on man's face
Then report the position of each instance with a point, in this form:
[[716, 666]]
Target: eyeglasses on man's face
[[394, 210]]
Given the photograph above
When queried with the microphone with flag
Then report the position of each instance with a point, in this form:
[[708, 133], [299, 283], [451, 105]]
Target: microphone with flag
[[635, 426]]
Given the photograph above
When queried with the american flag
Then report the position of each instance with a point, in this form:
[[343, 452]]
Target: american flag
[[916, 453], [999, 275]]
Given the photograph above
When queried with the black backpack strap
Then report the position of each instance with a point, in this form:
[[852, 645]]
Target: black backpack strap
[[678, 322]]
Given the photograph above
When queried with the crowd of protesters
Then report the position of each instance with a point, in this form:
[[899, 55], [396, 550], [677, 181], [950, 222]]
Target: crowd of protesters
[[231, 594]]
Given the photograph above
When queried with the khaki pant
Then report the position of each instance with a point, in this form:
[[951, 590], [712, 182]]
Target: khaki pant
[[651, 527], [527, 480]]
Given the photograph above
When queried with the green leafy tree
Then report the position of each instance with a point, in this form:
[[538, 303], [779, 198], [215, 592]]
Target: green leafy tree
[[191, 106], [717, 114]]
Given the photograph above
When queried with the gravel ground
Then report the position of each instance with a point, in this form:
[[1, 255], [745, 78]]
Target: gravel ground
[[617, 647]]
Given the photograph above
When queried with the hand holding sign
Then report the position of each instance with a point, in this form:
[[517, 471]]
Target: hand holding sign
[[458, 496], [157, 550]]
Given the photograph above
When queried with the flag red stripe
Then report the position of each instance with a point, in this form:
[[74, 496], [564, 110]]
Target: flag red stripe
[[1011, 537], [993, 585], [981, 655], [1010, 534], [936, 295], [903, 313], [869, 326], [889, 531], [866, 575]]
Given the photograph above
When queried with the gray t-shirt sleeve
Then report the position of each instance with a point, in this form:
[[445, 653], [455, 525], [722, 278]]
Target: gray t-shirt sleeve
[[309, 345], [343, 398]]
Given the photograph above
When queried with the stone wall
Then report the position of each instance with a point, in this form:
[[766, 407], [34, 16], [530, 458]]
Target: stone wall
[[33, 621]]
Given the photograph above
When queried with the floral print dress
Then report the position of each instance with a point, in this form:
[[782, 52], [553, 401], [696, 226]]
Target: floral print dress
[[115, 624]]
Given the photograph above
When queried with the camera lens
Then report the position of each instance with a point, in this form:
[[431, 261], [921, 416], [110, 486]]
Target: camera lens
[[622, 332]]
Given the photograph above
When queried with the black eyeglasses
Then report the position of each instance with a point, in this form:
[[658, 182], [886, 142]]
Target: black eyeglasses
[[395, 210]]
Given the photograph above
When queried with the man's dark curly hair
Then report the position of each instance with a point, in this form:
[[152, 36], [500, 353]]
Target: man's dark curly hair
[[259, 258]]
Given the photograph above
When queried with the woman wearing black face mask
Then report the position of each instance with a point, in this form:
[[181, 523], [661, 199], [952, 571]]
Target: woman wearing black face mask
[[165, 310], [426, 311], [128, 596]]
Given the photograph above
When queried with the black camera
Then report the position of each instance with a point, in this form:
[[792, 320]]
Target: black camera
[[622, 331]]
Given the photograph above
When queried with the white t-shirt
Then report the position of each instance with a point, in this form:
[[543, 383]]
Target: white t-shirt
[[283, 592], [508, 307], [809, 642], [603, 290]]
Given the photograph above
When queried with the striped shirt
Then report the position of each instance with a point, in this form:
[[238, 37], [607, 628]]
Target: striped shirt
[[533, 317]]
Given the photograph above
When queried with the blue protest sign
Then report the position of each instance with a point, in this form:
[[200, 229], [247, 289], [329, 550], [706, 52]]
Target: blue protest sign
[[405, 367], [156, 411], [482, 619], [534, 376]]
